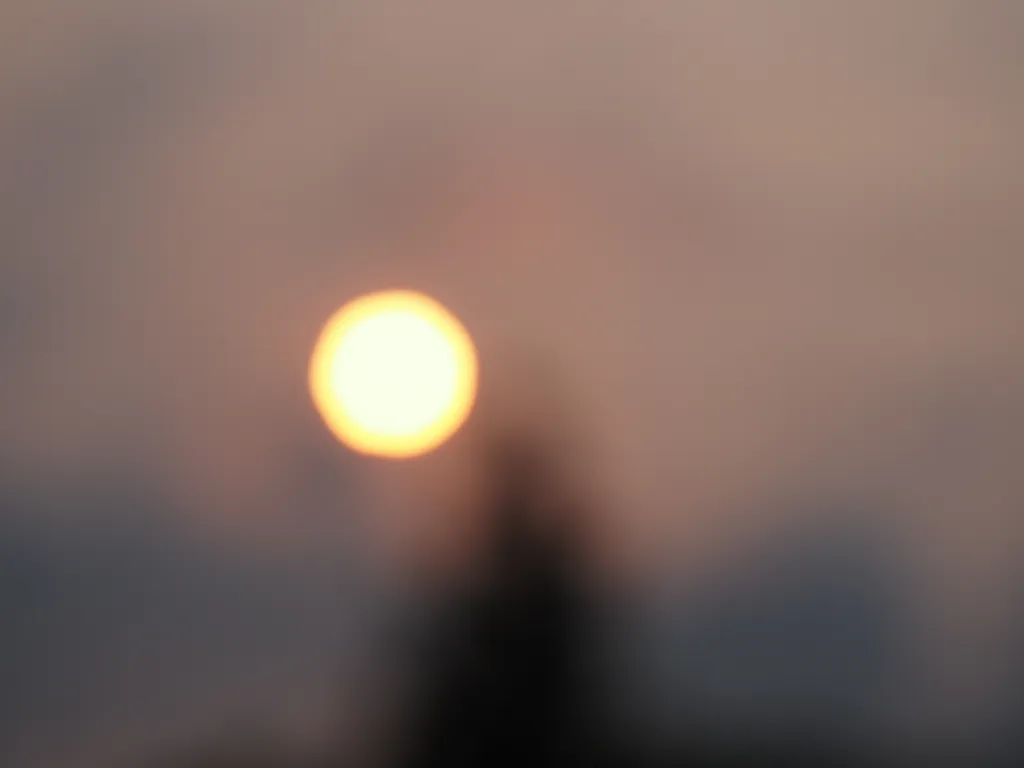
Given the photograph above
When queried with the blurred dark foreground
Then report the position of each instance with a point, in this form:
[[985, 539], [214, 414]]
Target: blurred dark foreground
[[510, 672]]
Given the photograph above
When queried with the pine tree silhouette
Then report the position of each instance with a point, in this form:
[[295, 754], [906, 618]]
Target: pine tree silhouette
[[506, 683]]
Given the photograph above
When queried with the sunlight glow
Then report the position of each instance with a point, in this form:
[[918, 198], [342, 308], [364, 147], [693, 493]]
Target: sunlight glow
[[394, 374]]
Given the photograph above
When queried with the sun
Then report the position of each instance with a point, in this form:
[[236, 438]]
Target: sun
[[394, 374]]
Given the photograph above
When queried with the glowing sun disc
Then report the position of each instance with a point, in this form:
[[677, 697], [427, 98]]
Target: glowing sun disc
[[394, 374]]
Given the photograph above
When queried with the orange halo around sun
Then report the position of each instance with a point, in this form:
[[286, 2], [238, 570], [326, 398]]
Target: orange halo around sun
[[394, 374]]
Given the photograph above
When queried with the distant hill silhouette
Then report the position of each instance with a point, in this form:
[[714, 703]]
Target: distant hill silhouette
[[780, 662]]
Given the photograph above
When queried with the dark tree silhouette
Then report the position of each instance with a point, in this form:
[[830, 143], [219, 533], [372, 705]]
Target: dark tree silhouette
[[506, 678]]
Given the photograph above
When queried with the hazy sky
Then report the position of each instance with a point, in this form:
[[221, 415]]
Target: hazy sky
[[731, 225], [772, 251]]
